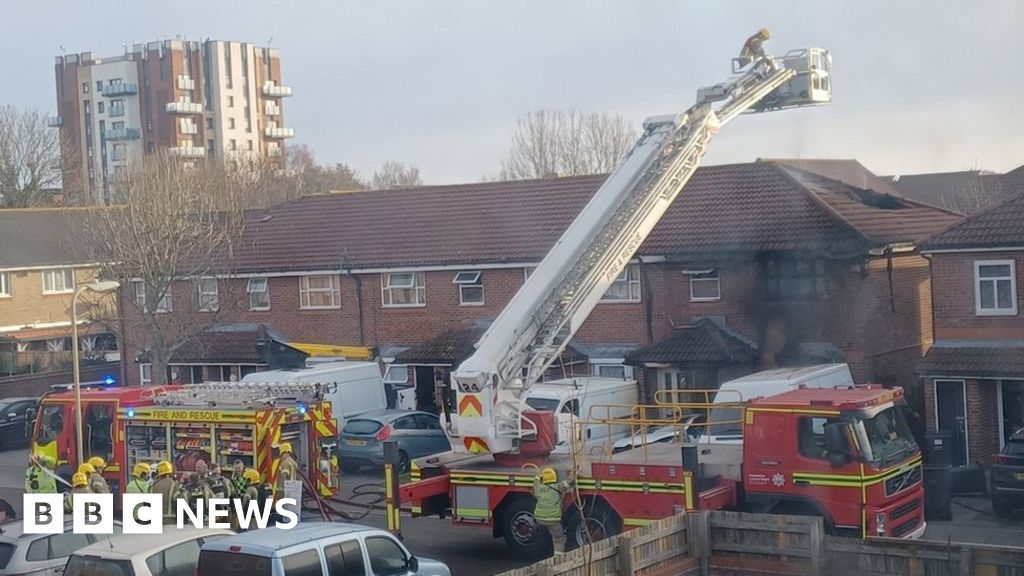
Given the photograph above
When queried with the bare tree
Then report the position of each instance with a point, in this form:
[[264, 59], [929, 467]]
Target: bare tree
[[307, 176], [29, 158], [171, 231], [396, 175], [550, 143], [978, 191]]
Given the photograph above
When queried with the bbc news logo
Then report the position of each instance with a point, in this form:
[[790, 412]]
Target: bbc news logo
[[143, 513]]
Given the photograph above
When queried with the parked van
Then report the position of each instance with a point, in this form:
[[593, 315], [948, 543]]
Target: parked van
[[573, 398], [358, 388], [314, 549]]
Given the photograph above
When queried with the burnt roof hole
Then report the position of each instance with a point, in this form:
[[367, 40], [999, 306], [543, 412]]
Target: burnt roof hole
[[877, 200]]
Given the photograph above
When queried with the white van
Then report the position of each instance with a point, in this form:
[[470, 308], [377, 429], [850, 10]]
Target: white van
[[358, 388], [572, 398]]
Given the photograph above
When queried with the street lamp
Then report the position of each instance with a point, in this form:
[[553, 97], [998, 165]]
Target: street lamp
[[100, 287]]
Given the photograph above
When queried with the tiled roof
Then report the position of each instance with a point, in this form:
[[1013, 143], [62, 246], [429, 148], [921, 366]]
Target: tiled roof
[[449, 347], [29, 333], [994, 360], [227, 343], [702, 343], [748, 207], [1001, 225], [42, 237]]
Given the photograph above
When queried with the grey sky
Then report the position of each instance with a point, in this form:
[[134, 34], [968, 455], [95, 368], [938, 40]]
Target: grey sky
[[918, 85]]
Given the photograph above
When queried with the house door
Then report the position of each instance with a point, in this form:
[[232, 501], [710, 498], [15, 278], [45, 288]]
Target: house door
[[950, 403], [1011, 401]]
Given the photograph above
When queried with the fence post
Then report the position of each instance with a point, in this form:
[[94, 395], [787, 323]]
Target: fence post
[[625, 555], [966, 561], [698, 535], [816, 543], [392, 495]]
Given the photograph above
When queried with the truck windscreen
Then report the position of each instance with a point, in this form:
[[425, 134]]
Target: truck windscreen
[[885, 438]]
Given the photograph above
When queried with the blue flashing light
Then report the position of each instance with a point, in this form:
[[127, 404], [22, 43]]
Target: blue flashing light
[[109, 380], [130, 412], [301, 408]]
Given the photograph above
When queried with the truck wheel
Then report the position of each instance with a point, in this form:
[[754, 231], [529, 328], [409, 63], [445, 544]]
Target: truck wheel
[[601, 522], [522, 533], [403, 463]]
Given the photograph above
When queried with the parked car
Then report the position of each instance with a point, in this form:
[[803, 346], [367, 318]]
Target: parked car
[[1008, 476], [680, 432], [40, 554], [362, 438], [173, 553], [14, 420], [314, 549]]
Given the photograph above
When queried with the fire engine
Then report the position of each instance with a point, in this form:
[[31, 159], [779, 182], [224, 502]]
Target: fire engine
[[216, 422], [494, 434]]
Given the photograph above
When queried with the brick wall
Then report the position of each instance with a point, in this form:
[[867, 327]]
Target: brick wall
[[39, 383], [27, 303], [954, 292]]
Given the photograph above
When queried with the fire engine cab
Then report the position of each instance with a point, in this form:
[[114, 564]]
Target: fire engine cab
[[213, 422]]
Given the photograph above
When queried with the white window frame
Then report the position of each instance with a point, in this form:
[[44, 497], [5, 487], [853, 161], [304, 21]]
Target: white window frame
[[1012, 310], [416, 283], [631, 277], [597, 363], [145, 373], [266, 291], [5, 285], [708, 276], [208, 300], [166, 304], [305, 292], [64, 274], [469, 279]]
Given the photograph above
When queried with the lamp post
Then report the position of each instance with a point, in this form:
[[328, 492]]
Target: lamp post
[[99, 287]]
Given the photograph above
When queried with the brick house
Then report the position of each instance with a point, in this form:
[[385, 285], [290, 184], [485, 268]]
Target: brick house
[[974, 373], [785, 264]]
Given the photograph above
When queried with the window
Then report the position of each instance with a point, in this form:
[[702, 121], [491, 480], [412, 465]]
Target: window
[[209, 299], [704, 285], [620, 371], [796, 279], [5, 284], [305, 563], [231, 99], [209, 123], [85, 87], [58, 281], [56, 546], [427, 422], [248, 145], [403, 289], [404, 423], [232, 145], [319, 292], [471, 288], [164, 305], [231, 123], [117, 107], [99, 107], [120, 152], [233, 564], [386, 556], [625, 288], [812, 437], [145, 373], [995, 288], [177, 560], [345, 559], [259, 293]]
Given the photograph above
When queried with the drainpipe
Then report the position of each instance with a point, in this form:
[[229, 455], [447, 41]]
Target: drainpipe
[[346, 270]]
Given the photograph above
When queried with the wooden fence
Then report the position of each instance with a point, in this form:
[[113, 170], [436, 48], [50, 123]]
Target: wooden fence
[[719, 543]]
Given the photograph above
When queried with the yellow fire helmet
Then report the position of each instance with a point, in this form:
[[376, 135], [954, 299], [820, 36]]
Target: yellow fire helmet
[[141, 469], [548, 476], [251, 476], [97, 462], [79, 480], [765, 33], [86, 469], [164, 468], [286, 447]]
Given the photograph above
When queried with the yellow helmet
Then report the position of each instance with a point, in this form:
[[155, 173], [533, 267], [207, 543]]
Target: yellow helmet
[[286, 447], [164, 468], [79, 480], [765, 33], [141, 469], [548, 476], [97, 462], [251, 476], [86, 469]]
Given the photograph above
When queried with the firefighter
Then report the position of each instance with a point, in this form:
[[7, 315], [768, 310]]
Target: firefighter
[[39, 477], [202, 470], [140, 479], [287, 467], [195, 491], [753, 48], [97, 483], [167, 487], [548, 491], [79, 485], [219, 485], [252, 486], [238, 481]]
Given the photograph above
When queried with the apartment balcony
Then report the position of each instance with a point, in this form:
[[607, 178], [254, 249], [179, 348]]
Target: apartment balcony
[[54, 121], [122, 134], [186, 83], [272, 109], [187, 151], [188, 128], [276, 90], [280, 132], [119, 89], [275, 152], [184, 108]]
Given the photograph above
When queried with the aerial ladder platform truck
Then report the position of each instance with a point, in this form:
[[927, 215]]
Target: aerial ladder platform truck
[[497, 440]]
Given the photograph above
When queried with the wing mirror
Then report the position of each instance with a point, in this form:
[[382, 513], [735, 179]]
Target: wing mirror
[[413, 564], [836, 444]]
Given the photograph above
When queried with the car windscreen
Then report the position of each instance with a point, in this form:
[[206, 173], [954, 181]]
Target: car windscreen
[[96, 566], [214, 563], [6, 551], [548, 404], [361, 426]]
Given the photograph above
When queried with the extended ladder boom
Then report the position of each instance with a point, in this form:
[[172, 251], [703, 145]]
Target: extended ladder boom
[[559, 295]]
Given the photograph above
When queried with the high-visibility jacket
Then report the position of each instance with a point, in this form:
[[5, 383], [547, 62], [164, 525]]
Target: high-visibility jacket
[[37, 481], [137, 486], [549, 500], [287, 469]]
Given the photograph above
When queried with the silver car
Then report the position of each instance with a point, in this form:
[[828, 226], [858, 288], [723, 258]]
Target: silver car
[[362, 439], [40, 554]]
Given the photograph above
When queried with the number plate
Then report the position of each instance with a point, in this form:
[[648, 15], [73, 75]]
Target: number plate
[[1020, 475], [356, 442]]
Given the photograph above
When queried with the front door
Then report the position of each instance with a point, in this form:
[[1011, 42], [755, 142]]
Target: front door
[[952, 417]]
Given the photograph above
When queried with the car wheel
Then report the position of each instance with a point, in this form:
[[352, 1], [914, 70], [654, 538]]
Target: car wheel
[[403, 463], [350, 468], [523, 534]]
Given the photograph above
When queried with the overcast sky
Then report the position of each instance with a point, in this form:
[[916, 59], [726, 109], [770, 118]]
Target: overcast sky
[[919, 86]]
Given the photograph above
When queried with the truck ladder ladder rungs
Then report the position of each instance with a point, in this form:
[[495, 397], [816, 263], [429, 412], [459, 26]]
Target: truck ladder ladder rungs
[[244, 393]]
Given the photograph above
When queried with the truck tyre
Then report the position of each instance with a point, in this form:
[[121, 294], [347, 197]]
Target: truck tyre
[[601, 522], [522, 533], [403, 462]]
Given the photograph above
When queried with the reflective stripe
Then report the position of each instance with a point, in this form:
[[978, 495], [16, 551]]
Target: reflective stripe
[[859, 480], [795, 411], [472, 513], [688, 479], [637, 522]]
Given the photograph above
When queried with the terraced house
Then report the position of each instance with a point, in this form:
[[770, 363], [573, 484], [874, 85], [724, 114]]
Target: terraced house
[[756, 265]]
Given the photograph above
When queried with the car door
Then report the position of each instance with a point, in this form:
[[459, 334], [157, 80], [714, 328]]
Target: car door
[[434, 439], [387, 556], [409, 437], [19, 421]]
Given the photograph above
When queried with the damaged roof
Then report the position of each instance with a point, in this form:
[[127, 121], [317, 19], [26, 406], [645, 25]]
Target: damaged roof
[[702, 343], [226, 343], [998, 226], [751, 207]]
